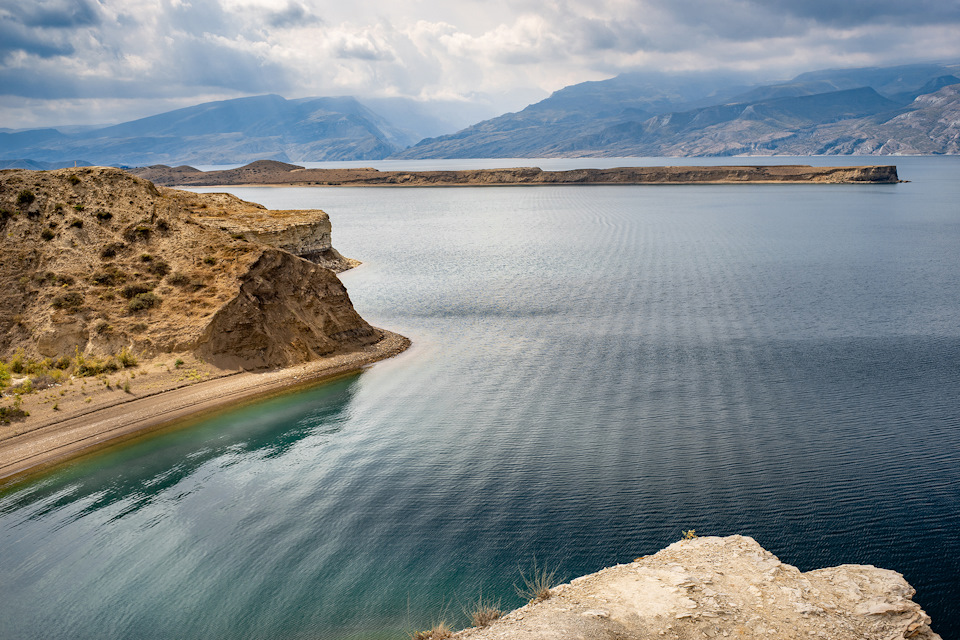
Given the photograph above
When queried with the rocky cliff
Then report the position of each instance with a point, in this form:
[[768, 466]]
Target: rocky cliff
[[93, 260], [719, 588]]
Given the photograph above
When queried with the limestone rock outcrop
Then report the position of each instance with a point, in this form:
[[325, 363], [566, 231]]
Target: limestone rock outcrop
[[714, 587]]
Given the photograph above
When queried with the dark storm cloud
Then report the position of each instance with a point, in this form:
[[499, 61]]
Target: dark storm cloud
[[14, 37], [294, 15], [849, 13], [54, 14]]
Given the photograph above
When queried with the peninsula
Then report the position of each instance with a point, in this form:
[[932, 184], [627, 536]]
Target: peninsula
[[124, 306], [271, 172]]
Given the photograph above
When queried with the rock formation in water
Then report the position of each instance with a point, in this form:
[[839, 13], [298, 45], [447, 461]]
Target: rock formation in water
[[270, 172], [719, 588], [95, 259]]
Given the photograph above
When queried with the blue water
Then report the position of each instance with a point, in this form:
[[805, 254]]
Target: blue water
[[594, 370]]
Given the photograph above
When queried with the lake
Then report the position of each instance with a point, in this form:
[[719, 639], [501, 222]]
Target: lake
[[594, 370]]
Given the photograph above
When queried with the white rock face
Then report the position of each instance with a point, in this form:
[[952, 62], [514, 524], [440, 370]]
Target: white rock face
[[720, 588]]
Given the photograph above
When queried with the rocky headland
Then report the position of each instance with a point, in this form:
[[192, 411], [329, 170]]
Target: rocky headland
[[113, 289], [714, 587], [270, 172]]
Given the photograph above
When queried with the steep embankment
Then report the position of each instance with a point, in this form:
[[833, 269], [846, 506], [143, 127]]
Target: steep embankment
[[95, 260], [719, 588], [278, 173]]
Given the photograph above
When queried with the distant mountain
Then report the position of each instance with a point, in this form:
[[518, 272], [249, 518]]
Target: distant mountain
[[816, 112], [228, 131]]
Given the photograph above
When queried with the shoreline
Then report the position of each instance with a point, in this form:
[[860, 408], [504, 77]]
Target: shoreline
[[74, 434]]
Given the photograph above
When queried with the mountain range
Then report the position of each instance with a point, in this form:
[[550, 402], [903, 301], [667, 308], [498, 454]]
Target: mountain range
[[890, 110]]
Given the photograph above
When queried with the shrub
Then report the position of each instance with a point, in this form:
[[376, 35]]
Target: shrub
[[139, 232], [178, 363], [135, 289], [5, 213], [143, 301], [111, 249], [25, 198], [126, 358], [163, 226], [102, 215], [9, 414], [70, 301], [159, 268], [78, 207], [76, 223], [108, 276], [73, 179], [47, 234], [179, 280], [210, 260]]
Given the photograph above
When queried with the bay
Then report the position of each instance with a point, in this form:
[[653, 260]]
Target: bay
[[594, 370]]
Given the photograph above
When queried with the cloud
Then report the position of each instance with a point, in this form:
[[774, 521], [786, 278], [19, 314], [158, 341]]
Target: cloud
[[126, 50]]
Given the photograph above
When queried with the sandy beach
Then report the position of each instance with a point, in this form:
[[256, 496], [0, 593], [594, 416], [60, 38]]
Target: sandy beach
[[63, 425]]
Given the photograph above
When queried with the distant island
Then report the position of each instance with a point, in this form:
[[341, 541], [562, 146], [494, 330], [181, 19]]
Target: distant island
[[271, 172]]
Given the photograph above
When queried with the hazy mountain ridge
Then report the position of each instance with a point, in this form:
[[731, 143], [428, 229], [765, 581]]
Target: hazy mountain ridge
[[907, 109], [819, 112]]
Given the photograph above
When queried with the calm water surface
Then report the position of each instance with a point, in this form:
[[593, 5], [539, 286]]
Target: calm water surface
[[594, 370]]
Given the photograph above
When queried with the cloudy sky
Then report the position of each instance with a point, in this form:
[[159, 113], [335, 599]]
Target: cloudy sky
[[100, 61]]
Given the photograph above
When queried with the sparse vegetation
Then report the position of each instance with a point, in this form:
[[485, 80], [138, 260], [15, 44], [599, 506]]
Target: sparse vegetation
[[690, 534], [108, 276], [73, 179], [210, 260], [440, 631], [102, 215], [25, 198], [76, 223], [484, 612], [178, 363], [47, 234], [143, 301], [70, 301], [111, 249], [179, 279], [132, 290], [537, 584], [78, 207]]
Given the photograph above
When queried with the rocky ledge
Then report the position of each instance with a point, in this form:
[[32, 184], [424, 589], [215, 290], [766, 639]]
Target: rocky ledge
[[719, 588], [279, 173]]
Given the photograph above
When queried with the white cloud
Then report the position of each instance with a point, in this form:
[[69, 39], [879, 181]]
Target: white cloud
[[118, 51]]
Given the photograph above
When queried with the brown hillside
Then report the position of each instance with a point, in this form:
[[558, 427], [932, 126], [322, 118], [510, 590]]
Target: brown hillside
[[95, 259]]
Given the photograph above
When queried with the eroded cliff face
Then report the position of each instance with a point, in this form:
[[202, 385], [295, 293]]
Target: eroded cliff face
[[719, 588], [305, 233], [287, 311], [93, 260]]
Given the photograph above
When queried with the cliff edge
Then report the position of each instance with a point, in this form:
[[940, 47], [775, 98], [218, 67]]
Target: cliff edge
[[719, 588]]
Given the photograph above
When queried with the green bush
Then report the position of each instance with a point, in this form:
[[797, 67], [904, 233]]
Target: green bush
[[78, 207], [159, 268], [143, 301]]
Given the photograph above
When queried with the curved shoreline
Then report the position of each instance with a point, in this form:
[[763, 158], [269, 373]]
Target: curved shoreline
[[53, 442]]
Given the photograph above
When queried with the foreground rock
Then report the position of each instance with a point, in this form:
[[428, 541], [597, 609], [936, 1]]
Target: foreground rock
[[95, 260], [279, 173], [719, 588]]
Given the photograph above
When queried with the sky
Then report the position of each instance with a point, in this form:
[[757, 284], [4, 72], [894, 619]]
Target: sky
[[104, 61]]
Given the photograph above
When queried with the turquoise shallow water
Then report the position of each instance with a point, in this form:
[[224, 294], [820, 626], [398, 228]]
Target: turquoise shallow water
[[594, 370]]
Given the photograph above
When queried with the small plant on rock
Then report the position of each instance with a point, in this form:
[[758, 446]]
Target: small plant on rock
[[537, 584]]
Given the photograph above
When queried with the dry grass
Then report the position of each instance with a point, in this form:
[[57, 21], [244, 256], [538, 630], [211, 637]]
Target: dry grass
[[537, 584], [440, 631], [484, 612]]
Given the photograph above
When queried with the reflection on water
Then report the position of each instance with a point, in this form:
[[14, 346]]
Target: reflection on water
[[593, 371]]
